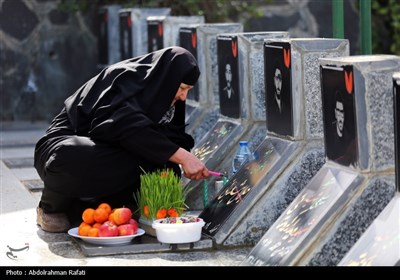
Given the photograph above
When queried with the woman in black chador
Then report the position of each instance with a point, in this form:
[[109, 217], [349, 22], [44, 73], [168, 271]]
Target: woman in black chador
[[128, 118]]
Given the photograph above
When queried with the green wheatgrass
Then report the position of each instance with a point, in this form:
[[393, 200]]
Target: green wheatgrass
[[161, 189]]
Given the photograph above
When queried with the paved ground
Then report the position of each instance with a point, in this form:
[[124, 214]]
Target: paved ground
[[19, 198]]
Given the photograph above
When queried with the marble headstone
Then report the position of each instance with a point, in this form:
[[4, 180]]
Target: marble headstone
[[133, 29], [107, 29], [333, 218]]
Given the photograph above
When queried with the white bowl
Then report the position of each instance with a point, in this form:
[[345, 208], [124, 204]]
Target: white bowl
[[178, 233]]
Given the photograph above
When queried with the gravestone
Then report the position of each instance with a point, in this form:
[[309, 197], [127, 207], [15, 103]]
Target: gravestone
[[172, 25], [163, 31], [284, 164], [380, 243], [245, 102], [354, 185], [242, 54], [108, 35], [201, 41], [133, 30], [155, 33]]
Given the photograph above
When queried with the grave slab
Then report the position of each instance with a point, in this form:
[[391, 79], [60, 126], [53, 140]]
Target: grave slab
[[315, 205], [380, 243]]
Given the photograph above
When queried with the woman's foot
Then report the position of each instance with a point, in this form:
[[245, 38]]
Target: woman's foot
[[52, 222]]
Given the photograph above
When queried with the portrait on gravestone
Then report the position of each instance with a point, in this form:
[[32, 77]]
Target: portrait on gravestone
[[396, 92], [102, 35], [154, 35], [125, 32], [188, 40], [228, 75], [339, 114], [278, 88]]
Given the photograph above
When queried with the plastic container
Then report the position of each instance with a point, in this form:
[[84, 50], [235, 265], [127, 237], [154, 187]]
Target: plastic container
[[175, 233], [243, 155]]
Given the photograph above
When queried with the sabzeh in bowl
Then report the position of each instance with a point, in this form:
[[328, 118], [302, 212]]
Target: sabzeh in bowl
[[161, 195]]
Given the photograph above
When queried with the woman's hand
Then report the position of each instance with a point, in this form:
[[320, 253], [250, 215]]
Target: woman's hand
[[193, 168]]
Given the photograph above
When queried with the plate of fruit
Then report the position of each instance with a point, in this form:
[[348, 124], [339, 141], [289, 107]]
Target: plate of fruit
[[106, 226]]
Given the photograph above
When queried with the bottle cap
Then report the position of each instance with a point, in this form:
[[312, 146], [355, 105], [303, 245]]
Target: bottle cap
[[219, 185], [243, 143]]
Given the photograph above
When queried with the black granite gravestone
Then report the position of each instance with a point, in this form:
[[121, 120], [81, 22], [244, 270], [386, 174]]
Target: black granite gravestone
[[228, 73], [107, 32], [125, 35], [134, 29], [102, 36], [279, 88], [155, 33], [188, 40], [339, 114]]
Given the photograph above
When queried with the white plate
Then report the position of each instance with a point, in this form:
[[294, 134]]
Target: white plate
[[115, 240]]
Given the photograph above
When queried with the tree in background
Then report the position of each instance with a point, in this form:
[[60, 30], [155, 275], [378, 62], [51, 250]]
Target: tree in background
[[386, 26], [212, 10], [385, 14]]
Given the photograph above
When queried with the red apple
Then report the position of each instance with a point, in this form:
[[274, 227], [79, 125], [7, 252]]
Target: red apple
[[126, 229], [122, 215], [108, 229], [135, 225]]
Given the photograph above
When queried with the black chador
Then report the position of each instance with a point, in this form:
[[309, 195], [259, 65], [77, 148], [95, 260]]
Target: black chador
[[118, 123]]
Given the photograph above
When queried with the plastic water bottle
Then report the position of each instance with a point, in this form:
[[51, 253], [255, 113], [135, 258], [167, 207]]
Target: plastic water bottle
[[243, 155]]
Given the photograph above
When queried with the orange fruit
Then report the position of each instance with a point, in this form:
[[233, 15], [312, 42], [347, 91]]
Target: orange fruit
[[81, 225], [146, 211], [83, 230], [161, 214], [97, 225], [93, 232], [172, 212], [100, 215], [88, 216], [106, 207]]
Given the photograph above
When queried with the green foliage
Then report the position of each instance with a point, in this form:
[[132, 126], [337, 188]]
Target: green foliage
[[385, 26], [212, 10], [161, 189], [385, 14]]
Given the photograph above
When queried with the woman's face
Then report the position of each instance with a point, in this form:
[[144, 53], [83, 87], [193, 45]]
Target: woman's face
[[182, 93]]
